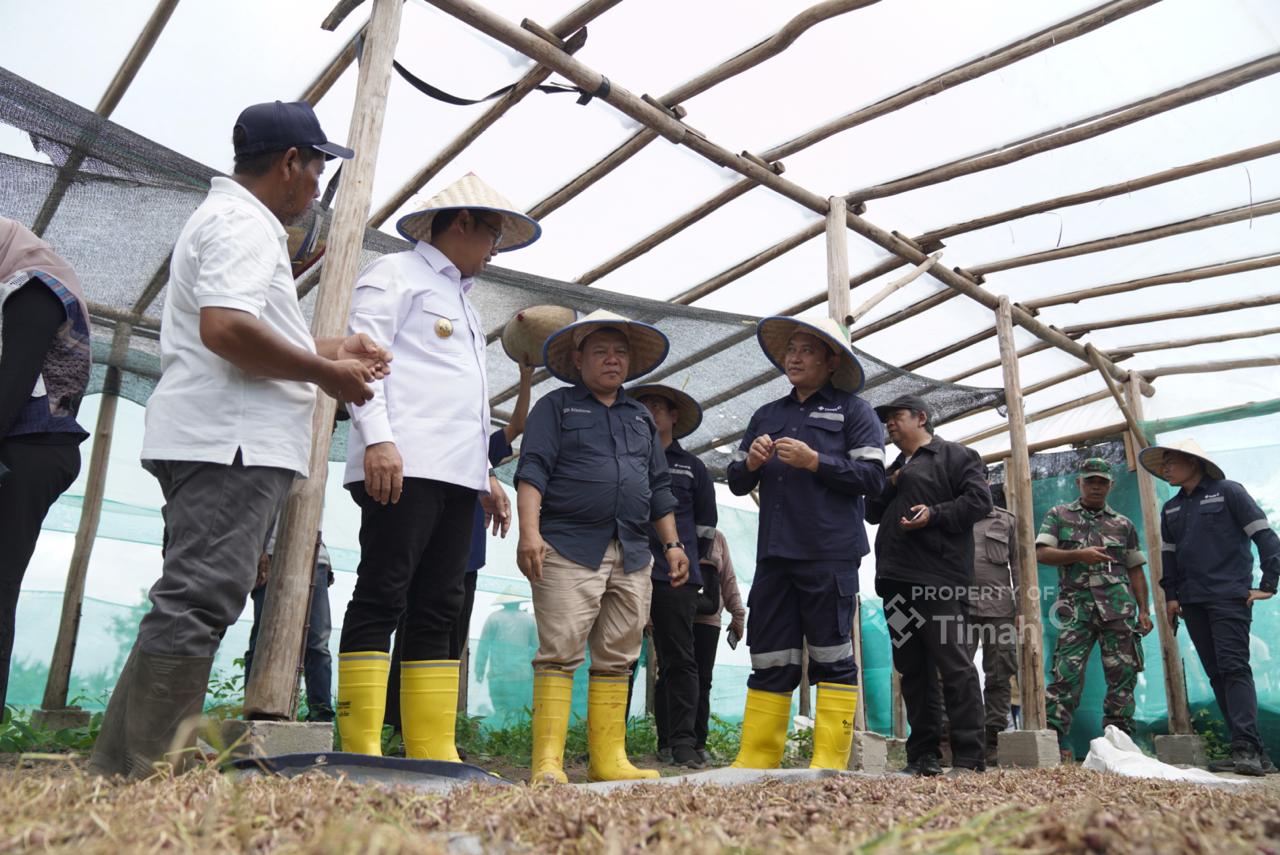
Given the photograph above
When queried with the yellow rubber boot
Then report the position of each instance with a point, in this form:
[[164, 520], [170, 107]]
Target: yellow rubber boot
[[764, 730], [552, 697], [362, 700], [429, 709], [833, 726], [607, 732]]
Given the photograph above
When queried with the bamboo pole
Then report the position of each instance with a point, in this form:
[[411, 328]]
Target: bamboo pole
[[569, 27], [898, 708], [743, 61], [1000, 58], [895, 285], [64, 647], [645, 113], [1194, 274], [837, 262], [1218, 218], [119, 84], [1103, 432], [1174, 314], [1019, 475], [1113, 389], [1175, 686], [1117, 353], [1106, 192], [1039, 415], [1079, 130], [1209, 367], [273, 685]]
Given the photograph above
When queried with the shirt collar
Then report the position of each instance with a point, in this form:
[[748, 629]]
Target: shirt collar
[[236, 190], [1205, 484], [1077, 505], [441, 264], [826, 393]]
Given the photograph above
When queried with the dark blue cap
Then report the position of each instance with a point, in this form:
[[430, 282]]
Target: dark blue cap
[[277, 126]]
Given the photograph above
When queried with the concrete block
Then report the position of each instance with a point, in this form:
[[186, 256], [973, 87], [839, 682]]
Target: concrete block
[[63, 719], [869, 754], [1028, 749], [271, 738], [1181, 750], [895, 754]]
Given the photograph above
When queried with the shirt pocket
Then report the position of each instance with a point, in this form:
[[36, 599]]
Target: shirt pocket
[[577, 432], [825, 436], [444, 327], [1214, 516], [639, 439], [997, 544]]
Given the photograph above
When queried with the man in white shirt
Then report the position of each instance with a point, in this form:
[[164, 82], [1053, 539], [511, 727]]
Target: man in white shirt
[[417, 458], [228, 427]]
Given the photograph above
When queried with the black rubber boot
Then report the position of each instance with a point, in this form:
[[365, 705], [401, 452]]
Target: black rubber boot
[[1248, 761], [993, 744], [109, 748]]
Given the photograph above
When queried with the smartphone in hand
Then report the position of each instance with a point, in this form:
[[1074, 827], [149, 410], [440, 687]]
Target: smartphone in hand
[[733, 640]]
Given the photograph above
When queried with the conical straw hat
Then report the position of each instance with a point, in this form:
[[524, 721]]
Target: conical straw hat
[[1152, 459], [689, 413], [648, 345], [469, 191], [774, 333], [527, 332]]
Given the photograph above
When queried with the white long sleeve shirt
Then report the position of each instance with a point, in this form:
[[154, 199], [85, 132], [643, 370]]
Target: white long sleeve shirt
[[434, 405]]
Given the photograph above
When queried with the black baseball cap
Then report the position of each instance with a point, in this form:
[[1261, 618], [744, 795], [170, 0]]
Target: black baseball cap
[[277, 126], [914, 403]]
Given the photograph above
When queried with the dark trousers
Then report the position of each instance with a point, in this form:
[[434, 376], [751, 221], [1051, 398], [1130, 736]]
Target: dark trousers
[[675, 694], [413, 561], [792, 602], [706, 639], [997, 638], [317, 662], [457, 644], [1220, 632], [929, 634], [37, 475]]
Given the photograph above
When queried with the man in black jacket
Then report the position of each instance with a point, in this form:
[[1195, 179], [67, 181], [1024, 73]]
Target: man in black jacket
[[934, 493]]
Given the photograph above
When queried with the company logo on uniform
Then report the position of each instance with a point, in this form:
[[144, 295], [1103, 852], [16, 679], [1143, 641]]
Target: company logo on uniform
[[1212, 499], [682, 469], [576, 410]]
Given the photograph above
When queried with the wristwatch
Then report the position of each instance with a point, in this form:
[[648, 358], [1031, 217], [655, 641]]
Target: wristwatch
[[675, 544]]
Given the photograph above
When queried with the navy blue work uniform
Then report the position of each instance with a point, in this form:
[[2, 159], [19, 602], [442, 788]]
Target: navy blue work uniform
[[811, 537], [601, 472], [1208, 569], [675, 694]]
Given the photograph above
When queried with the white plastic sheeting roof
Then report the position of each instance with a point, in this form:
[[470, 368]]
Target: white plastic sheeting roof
[[214, 59]]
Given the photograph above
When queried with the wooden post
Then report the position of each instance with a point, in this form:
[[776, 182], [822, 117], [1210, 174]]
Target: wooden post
[[860, 712], [64, 648], [1175, 686], [650, 673], [1018, 493], [273, 686], [897, 709], [837, 261], [1135, 429]]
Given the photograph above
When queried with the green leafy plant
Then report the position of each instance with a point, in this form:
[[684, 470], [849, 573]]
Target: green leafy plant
[[1217, 744], [19, 734]]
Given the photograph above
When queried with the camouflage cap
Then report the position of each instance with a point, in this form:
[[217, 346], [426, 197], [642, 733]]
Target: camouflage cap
[[1096, 467]]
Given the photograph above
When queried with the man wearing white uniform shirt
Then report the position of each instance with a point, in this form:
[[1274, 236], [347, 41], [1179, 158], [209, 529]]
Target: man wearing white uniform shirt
[[416, 460], [228, 427]]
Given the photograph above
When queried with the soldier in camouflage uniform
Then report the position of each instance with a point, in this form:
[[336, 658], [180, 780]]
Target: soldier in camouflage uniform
[[1102, 596]]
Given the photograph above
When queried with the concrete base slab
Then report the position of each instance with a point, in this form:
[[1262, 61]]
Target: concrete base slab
[[1181, 750], [1028, 749], [272, 738], [895, 754], [869, 753], [68, 718]]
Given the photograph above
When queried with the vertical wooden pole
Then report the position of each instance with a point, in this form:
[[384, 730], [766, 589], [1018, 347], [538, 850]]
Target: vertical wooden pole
[[1018, 474], [273, 686], [898, 710], [837, 260], [64, 648], [1175, 686], [650, 674], [860, 713]]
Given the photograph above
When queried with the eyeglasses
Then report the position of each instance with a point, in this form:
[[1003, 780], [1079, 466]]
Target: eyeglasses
[[496, 231]]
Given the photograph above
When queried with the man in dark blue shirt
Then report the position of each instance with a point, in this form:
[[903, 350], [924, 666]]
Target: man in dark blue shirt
[[592, 477], [1208, 579], [814, 454], [675, 694]]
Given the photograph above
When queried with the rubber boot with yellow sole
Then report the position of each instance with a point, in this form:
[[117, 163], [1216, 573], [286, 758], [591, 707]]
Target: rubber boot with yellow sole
[[607, 732], [362, 699], [552, 698], [833, 726], [764, 730], [429, 709]]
